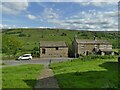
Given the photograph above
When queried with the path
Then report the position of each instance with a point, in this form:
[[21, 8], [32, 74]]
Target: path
[[47, 79]]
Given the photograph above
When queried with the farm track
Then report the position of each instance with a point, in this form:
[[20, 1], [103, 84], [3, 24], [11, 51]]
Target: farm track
[[46, 79]]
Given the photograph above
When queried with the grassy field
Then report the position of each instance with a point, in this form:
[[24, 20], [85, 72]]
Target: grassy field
[[23, 76], [95, 73]]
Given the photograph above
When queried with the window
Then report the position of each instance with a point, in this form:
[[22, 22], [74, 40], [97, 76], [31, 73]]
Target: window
[[105, 46], [82, 46], [96, 46], [43, 51], [26, 56], [57, 48]]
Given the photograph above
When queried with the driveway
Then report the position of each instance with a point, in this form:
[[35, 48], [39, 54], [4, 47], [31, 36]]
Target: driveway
[[44, 61]]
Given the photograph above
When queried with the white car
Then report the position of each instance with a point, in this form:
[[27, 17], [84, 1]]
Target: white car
[[25, 57]]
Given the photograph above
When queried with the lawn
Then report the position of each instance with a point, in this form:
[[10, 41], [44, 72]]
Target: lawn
[[23, 76], [96, 73]]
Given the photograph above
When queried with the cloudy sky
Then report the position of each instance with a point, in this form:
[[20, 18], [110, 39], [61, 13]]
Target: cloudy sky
[[101, 16]]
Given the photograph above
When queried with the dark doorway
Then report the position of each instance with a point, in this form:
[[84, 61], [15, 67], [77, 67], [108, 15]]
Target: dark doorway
[[87, 52], [57, 48], [43, 51]]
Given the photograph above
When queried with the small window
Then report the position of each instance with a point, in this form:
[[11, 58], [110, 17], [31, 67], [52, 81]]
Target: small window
[[96, 46], [82, 46], [105, 46], [43, 51], [57, 48]]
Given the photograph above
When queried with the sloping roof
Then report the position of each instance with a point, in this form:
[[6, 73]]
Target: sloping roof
[[92, 41], [53, 44], [106, 50]]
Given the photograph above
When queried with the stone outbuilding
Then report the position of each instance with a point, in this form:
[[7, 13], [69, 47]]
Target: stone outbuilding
[[85, 47], [50, 49]]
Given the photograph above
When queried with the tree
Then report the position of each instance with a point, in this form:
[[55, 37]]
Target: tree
[[10, 45], [63, 34]]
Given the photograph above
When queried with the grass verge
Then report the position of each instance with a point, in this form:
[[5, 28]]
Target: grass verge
[[23, 76]]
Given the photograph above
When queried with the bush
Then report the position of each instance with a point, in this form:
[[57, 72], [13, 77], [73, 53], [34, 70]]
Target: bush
[[22, 35], [35, 52], [36, 49], [63, 34], [93, 57], [77, 73], [29, 35]]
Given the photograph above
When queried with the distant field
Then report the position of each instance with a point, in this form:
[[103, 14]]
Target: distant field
[[97, 73], [23, 76]]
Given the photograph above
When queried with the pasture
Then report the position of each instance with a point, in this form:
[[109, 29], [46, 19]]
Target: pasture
[[23, 76], [94, 73]]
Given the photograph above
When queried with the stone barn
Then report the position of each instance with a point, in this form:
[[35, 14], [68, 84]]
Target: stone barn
[[86, 46], [50, 49]]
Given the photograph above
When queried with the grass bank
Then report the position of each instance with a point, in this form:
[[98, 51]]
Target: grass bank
[[23, 76], [95, 73]]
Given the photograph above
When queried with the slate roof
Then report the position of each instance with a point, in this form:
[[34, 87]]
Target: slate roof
[[92, 41], [53, 44]]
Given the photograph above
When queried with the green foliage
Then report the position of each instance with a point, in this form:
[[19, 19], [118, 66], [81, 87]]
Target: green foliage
[[36, 49], [22, 35], [93, 57], [35, 52], [63, 34], [29, 35], [18, 32], [23, 76], [95, 73], [3, 64], [10, 44]]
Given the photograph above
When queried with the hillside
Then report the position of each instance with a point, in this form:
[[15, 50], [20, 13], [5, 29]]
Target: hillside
[[30, 38]]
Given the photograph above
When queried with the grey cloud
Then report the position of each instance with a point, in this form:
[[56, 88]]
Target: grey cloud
[[13, 7]]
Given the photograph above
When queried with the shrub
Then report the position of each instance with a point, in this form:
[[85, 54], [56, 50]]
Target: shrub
[[36, 49], [63, 34], [22, 35], [29, 35], [35, 52], [77, 73], [93, 57]]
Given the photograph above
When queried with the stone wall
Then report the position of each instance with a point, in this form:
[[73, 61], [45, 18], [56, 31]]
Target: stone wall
[[86, 47], [54, 52]]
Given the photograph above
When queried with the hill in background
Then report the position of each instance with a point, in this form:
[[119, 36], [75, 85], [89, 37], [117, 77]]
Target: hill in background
[[30, 38]]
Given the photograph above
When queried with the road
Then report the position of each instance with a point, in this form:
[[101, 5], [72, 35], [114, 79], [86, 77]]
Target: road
[[44, 61]]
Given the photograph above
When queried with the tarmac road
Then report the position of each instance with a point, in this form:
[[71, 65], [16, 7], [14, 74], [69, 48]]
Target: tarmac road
[[44, 61]]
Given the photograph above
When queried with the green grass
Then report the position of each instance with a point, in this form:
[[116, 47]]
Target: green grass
[[98, 73], [23, 76]]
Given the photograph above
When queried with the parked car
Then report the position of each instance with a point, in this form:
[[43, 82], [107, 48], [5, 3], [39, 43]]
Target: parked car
[[25, 57]]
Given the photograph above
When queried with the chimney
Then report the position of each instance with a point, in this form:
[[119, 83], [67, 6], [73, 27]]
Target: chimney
[[75, 37]]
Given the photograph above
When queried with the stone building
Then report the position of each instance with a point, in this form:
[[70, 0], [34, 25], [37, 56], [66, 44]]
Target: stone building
[[53, 49], [85, 47]]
